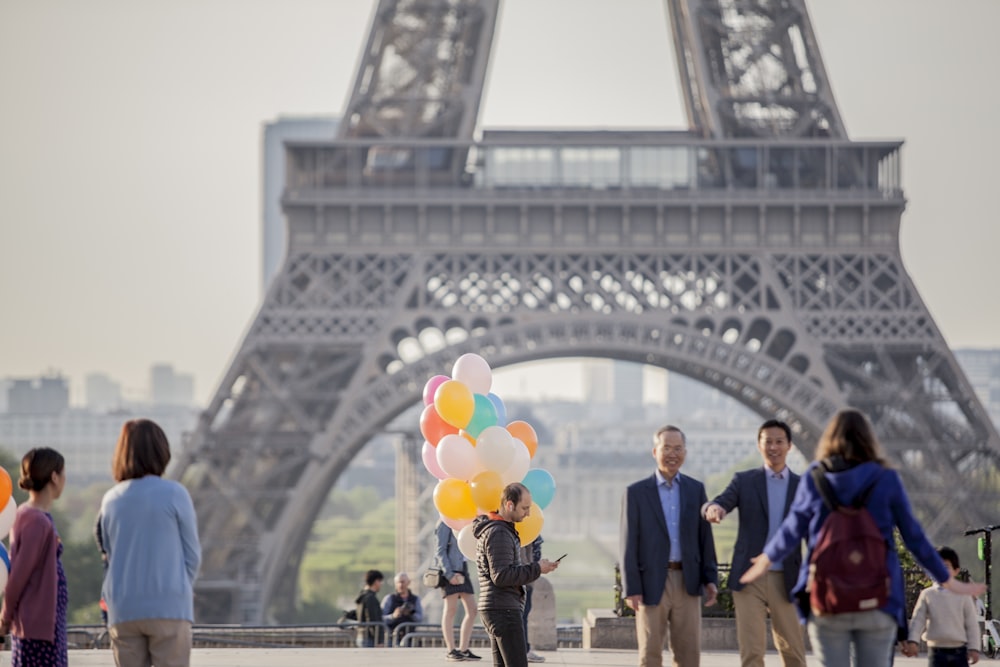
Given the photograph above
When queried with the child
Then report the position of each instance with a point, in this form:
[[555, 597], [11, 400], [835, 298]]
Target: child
[[946, 621]]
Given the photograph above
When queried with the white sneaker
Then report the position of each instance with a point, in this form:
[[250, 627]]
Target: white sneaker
[[534, 657]]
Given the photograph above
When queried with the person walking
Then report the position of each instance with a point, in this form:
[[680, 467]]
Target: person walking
[[762, 496], [852, 459], [458, 588], [150, 535], [667, 555], [502, 575], [531, 553], [36, 595]]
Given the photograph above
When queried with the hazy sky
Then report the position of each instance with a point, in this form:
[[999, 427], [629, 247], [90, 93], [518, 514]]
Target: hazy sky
[[130, 138]]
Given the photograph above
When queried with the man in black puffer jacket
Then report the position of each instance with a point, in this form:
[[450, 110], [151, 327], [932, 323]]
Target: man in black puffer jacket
[[502, 576]]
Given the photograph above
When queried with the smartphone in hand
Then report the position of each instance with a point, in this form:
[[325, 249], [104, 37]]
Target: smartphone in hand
[[561, 557]]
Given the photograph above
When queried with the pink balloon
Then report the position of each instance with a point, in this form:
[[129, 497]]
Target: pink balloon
[[455, 524], [432, 386], [429, 456]]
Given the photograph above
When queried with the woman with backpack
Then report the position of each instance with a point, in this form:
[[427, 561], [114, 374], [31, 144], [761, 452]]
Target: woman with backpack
[[850, 619]]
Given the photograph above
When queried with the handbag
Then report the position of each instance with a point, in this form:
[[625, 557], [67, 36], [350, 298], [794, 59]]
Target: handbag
[[434, 578]]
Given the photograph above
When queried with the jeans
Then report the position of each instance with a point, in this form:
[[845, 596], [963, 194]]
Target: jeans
[[524, 615], [858, 639], [506, 629], [947, 657]]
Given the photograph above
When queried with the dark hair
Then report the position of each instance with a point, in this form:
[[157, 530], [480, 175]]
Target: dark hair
[[775, 423], [142, 450], [669, 428], [37, 467], [850, 436], [371, 576], [513, 493], [950, 555]]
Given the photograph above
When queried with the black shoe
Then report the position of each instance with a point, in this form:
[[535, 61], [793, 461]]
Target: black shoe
[[469, 655], [454, 655]]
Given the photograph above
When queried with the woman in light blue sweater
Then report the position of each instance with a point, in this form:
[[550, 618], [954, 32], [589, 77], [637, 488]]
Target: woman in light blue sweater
[[150, 534]]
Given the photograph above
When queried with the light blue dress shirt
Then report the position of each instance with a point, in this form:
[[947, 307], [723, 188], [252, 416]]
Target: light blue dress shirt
[[670, 501]]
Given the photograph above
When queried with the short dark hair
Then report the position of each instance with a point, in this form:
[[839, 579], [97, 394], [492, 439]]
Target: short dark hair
[[37, 467], [371, 576], [950, 555], [775, 423], [512, 493], [142, 450]]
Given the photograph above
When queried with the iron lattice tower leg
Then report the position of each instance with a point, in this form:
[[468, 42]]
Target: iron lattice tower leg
[[768, 268]]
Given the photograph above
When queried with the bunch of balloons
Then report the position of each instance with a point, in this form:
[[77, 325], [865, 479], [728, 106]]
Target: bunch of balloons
[[6, 521], [474, 452]]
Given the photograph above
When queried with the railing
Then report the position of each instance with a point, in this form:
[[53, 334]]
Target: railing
[[612, 161]]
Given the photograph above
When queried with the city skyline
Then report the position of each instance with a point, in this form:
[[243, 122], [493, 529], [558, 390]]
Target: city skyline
[[131, 170]]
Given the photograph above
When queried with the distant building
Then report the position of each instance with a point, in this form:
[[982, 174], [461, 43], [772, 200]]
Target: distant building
[[87, 439], [982, 368], [168, 388], [38, 396], [276, 133], [102, 393]]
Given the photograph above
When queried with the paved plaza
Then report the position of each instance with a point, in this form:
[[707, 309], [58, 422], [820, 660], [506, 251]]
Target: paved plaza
[[415, 657]]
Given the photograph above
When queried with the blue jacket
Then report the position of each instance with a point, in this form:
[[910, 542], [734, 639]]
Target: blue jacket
[[888, 505], [448, 555], [150, 534], [645, 543]]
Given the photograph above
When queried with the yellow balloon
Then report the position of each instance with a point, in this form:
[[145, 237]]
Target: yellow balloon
[[455, 403], [531, 527], [453, 498], [486, 489]]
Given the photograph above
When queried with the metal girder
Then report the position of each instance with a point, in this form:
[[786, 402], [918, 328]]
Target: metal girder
[[752, 68]]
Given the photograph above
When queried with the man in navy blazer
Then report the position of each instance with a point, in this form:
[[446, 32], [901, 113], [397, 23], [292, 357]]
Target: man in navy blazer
[[667, 555], [763, 496]]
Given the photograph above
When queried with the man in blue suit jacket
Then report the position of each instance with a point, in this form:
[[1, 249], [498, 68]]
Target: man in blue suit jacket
[[763, 496], [668, 556]]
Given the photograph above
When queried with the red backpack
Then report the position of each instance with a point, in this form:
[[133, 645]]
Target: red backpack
[[847, 568]]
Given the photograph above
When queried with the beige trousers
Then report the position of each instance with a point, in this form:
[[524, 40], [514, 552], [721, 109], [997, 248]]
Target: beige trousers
[[753, 603], [161, 642], [679, 612]]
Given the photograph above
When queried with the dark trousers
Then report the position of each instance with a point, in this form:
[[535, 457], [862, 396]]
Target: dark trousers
[[527, 610], [506, 630], [947, 657]]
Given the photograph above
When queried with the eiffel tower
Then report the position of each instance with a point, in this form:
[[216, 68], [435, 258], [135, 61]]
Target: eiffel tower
[[757, 251]]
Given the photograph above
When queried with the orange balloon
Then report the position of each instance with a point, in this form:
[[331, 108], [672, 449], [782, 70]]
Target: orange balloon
[[6, 486], [486, 487], [433, 427], [531, 527], [453, 498], [523, 432]]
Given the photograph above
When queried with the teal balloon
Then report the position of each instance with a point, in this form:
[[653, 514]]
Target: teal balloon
[[542, 486], [483, 416], [501, 409]]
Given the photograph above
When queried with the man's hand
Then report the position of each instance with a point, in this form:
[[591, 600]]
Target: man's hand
[[973, 656], [634, 601], [547, 565], [714, 513], [711, 592]]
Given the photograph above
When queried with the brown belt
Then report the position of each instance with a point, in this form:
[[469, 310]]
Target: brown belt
[[674, 565]]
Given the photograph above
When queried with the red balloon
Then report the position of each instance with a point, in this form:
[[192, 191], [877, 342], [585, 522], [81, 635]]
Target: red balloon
[[433, 427]]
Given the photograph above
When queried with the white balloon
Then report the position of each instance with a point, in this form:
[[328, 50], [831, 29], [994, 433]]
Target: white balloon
[[519, 466], [457, 457], [495, 448], [467, 543], [7, 517], [474, 372]]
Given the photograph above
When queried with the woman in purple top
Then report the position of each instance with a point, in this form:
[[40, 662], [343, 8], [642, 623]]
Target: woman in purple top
[[853, 458], [36, 597]]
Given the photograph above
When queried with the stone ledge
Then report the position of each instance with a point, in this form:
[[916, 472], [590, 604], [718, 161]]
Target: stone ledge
[[603, 629]]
